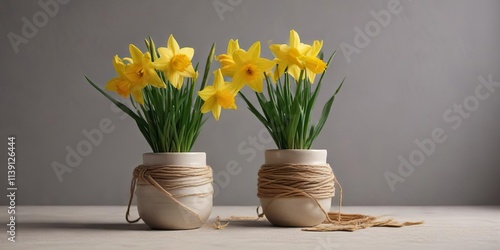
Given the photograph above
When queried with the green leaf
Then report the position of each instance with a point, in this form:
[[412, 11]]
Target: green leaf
[[326, 111]]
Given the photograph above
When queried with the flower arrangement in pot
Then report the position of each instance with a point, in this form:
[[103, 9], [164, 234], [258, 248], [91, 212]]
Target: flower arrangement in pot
[[173, 186], [295, 185]]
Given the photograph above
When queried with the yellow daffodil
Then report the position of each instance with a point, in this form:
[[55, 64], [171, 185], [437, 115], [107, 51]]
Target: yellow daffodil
[[176, 62], [249, 68], [140, 70], [135, 75], [120, 84], [289, 56], [312, 63], [226, 60], [219, 95]]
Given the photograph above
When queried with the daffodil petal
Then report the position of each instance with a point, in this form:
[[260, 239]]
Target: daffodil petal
[[189, 52], [304, 48], [218, 80], [165, 53], [254, 50], [232, 88], [206, 93], [240, 57], [118, 65], [119, 85], [315, 48], [232, 46], [155, 80], [131, 72], [276, 75], [227, 65], [279, 70], [146, 58], [275, 49], [172, 78], [135, 53], [216, 112], [228, 69], [225, 98], [208, 105], [137, 95], [256, 84], [294, 39], [314, 64], [233, 106], [239, 80], [161, 64], [188, 72], [172, 44], [294, 71], [229, 86], [311, 75], [264, 65]]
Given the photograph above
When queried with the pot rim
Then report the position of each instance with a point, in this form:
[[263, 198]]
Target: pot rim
[[296, 156], [175, 158], [297, 150], [174, 153]]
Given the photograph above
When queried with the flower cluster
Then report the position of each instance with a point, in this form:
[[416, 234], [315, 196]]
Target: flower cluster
[[296, 56], [135, 73], [170, 112], [246, 67], [284, 109], [161, 86]]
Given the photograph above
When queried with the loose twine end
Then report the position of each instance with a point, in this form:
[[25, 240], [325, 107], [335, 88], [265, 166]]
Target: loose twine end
[[218, 225]]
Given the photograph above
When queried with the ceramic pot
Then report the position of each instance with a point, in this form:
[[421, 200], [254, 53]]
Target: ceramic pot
[[295, 211], [161, 212]]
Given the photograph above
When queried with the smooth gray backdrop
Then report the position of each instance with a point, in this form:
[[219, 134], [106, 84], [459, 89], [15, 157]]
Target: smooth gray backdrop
[[413, 71]]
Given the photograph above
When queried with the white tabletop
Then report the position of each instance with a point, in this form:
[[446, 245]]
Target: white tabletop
[[104, 227]]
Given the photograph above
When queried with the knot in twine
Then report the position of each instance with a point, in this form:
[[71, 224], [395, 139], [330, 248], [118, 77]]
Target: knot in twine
[[168, 178]]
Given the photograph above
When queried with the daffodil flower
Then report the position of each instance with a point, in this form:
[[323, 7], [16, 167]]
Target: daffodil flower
[[228, 67], [289, 56], [120, 84], [250, 68], [135, 75], [176, 62], [312, 63], [219, 95]]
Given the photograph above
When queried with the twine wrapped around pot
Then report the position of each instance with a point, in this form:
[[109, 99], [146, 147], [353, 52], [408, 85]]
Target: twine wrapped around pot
[[168, 178], [296, 180]]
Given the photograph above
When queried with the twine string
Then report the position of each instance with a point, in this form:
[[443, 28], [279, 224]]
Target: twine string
[[170, 178], [296, 180], [315, 182]]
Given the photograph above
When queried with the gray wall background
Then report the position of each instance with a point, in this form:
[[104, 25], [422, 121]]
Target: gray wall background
[[427, 59]]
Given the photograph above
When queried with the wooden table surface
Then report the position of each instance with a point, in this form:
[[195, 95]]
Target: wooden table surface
[[104, 227]]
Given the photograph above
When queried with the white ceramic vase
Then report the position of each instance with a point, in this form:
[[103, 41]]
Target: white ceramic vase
[[161, 212], [296, 211]]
